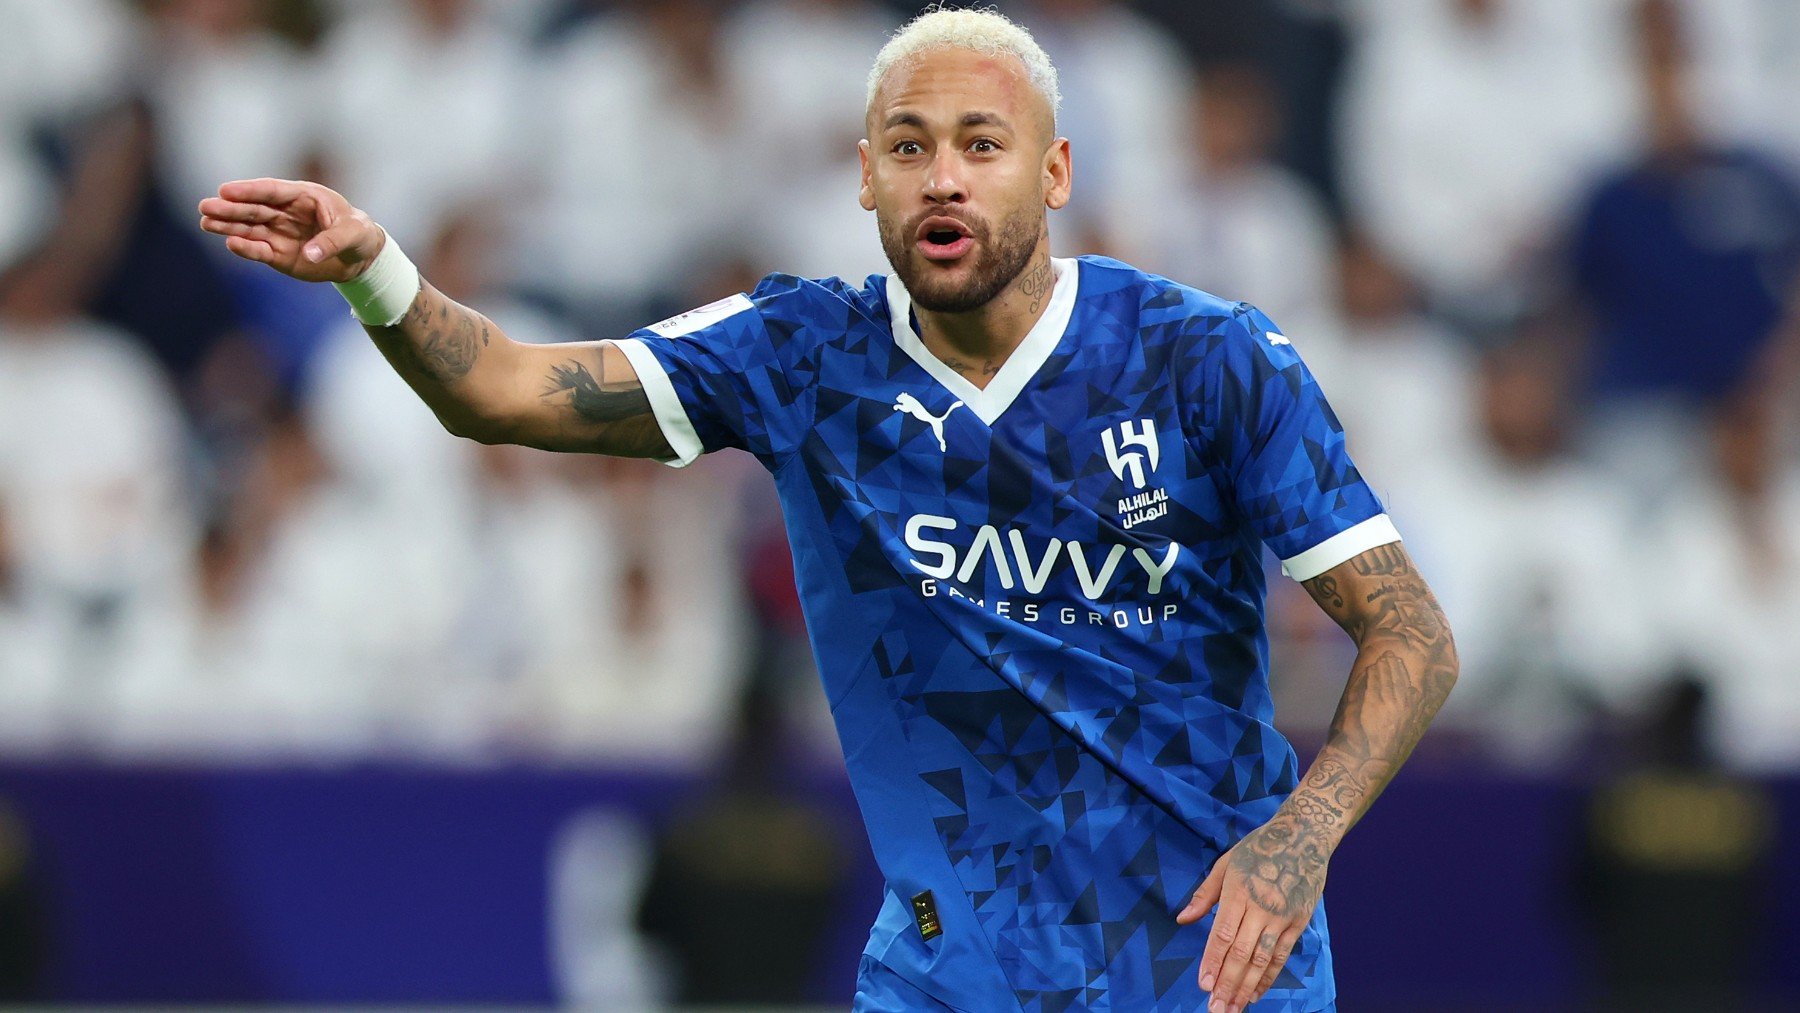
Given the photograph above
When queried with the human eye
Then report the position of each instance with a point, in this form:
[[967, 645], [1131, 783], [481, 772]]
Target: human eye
[[908, 148], [984, 146]]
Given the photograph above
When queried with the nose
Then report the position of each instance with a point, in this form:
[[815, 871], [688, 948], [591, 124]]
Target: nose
[[943, 184]]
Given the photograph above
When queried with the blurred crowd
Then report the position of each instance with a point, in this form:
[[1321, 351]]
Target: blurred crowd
[[1543, 256]]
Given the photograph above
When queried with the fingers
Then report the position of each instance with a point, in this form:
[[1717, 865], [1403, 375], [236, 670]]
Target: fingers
[[263, 191], [1284, 948], [1204, 898], [221, 227], [251, 249], [233, 211], [1226, 926], [1248, 956]]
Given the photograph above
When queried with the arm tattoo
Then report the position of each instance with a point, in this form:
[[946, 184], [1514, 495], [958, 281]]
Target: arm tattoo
[[439, 343], [1406, 664], [438, 338], [590, 399], [599, 413]]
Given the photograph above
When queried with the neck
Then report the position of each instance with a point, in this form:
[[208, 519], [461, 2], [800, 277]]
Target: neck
[[978, 342]]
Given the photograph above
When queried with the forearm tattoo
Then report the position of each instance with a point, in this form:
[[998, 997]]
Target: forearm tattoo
[[438, 339], [438, 343], [1406, 664]]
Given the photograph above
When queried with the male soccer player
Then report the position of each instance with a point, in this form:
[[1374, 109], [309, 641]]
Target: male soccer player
[[1026, 499]]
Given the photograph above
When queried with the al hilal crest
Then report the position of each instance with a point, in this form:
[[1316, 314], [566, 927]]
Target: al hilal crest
[[1132, 452]]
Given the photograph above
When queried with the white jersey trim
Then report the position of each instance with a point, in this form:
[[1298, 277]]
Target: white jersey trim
[[671, 417], [1346, 544], [1019, 368]]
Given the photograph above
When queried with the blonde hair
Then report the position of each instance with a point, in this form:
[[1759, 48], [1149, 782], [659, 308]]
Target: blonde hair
[[985, 31]]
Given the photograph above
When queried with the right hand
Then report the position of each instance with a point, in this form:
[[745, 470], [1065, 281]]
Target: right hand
[[301, 229]]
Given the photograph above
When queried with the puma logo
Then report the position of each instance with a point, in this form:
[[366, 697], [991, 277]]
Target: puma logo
[[911, 406]]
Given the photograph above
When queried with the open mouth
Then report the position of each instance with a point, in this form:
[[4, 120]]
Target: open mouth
[[943, 238]]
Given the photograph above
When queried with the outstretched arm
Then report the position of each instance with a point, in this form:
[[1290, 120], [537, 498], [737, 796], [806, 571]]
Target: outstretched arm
[[579, 397], [1268, 884]]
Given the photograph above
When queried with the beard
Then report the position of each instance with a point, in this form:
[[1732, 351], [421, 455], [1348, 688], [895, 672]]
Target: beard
[[999, 258]]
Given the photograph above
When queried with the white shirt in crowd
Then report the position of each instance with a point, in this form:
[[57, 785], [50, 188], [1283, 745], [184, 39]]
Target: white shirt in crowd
[[1731, 608], [1125, 85], [1463, 141], [57, 61], [639, 169], [100, 530], [417, 123], [233, 107]]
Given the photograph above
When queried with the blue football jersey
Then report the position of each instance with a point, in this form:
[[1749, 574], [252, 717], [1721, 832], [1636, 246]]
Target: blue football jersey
[[1037, 607]]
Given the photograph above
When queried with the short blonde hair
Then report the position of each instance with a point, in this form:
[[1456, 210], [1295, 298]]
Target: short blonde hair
[[985, 31]]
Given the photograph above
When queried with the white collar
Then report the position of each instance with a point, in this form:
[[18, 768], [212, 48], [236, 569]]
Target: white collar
[[988, 402]]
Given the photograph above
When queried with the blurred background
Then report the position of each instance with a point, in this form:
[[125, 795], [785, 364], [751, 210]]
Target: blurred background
[[304, 701]]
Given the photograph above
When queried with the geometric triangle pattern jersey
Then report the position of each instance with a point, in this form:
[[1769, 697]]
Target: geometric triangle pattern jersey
[[1037, 606]]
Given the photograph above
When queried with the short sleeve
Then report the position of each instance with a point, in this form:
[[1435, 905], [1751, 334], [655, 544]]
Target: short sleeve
[[716, 376], [1280, 449]]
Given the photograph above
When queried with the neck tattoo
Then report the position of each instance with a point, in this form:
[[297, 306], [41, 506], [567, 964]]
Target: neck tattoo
[[1036, 284]]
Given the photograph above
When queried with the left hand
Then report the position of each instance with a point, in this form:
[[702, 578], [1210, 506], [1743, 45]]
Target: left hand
[[1266, 888]]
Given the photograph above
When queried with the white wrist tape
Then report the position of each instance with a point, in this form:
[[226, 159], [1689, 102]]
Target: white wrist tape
[[383, 293]]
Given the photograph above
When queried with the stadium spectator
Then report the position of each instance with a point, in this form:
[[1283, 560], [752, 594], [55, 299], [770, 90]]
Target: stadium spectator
[[1124, 84], [1468, 126], [59, 64], [230, 94], [1241, 223], [1534, 548], [1695, 222], [663, 631], [305, 644], [224, 89], [1402, 382], [92, 474], [1776, 41], [635, 123], [1300, 44], [802, 65], [445, 130], [1732, 529]]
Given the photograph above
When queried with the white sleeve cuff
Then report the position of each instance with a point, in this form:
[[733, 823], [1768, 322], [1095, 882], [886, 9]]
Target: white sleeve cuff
[[671, 417], [1347, 544]]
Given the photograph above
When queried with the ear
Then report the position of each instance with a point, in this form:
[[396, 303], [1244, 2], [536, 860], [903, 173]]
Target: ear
[[1058, 172], [865, 197]]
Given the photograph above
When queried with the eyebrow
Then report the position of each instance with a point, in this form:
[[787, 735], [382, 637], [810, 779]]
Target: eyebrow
[[985, 119], [974, 119]]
